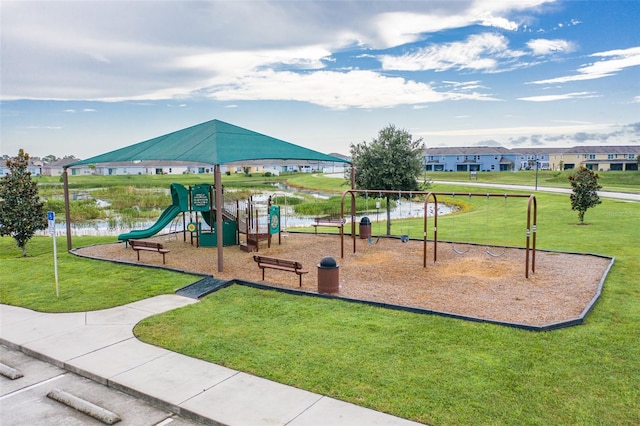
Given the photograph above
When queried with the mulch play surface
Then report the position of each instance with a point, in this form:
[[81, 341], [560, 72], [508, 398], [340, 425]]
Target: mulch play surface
[[474, 284]]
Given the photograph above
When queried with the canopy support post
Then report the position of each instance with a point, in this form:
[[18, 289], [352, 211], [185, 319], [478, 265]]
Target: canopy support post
[[217, 181], [67, 210]]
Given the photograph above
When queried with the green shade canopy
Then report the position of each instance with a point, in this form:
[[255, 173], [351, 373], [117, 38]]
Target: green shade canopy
[[212, 142]]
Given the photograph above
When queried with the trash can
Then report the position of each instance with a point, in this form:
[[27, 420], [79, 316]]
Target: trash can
[[328, 276], [365, 228]]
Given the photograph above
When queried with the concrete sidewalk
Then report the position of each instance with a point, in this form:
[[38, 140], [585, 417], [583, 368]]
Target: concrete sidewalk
[[100, 345], [627, 196]]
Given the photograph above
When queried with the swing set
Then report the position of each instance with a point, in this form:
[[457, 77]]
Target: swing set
[[531, 220]]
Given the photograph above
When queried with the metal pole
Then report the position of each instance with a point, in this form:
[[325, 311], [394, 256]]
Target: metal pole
[[217, 181], [353, 207], [67, 209]]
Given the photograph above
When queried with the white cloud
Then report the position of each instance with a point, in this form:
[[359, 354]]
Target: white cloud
[[83, 110], [499, 22], [45, 127], [232, 63], [398, 28], [524, 130], [548, 98], [114, 51], [545, 47], [612, 63], [359, 89], [479, 52]]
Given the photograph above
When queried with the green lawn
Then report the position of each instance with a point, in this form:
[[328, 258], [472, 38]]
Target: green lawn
[[427, 368], [84, 284]]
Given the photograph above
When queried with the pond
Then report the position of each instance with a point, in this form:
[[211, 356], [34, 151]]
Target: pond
[[402, 209]]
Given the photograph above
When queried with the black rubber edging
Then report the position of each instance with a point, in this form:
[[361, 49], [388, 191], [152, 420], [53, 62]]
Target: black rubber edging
[[124, 262]]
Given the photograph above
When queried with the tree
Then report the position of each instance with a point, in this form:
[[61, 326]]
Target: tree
[[585, 186], [21, 210], [393, 161]]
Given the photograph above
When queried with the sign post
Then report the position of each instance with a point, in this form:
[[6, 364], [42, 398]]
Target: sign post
[[51, 216]]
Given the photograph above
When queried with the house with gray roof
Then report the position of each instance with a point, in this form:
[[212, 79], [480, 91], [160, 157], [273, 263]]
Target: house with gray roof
[[468, 159], [601, 158], [484, 158]]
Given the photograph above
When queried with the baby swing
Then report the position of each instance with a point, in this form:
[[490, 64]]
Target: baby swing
[[405, 235], [370, 239], [453, 224]]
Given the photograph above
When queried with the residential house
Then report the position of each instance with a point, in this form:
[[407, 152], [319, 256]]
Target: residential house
[[275, 167], [536, 157], [56, 168], [141, 168], [473, 159], [468, 159], [601, 158], [34, 167]]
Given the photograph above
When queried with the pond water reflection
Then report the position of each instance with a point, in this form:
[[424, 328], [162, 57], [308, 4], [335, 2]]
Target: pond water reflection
[[402, 209]]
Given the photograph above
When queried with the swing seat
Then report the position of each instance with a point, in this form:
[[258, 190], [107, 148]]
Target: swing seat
[[404, 238], [490, 253], [455, 250], [373, 243]]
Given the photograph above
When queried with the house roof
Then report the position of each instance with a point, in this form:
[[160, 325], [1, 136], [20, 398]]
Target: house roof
[[466, 150], [213, 142], [612, 149]]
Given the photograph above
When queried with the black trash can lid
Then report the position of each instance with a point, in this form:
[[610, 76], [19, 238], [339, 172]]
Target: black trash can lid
[[328, 262], [365, 221]]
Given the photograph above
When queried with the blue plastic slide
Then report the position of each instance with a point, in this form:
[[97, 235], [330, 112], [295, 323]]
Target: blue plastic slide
[[165, 219]]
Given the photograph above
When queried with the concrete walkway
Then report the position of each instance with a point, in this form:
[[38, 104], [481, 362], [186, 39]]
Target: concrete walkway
[[100, 345], [532, 189]]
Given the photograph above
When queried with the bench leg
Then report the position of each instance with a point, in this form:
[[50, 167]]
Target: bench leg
[[163, 258], [263, 274], [138, 253], [300, 276]]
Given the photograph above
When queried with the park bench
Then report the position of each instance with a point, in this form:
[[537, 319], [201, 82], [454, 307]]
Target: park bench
[[139, 245], [280, 264], [328, 221]]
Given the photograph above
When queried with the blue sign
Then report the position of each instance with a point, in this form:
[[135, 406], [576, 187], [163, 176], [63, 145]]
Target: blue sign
[[51, 215]]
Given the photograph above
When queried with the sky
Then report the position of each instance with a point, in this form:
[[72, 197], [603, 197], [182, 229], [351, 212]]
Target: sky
[[85, 77]]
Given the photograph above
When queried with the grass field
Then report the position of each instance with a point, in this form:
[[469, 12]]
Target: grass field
[[426, 368], [84, 284]]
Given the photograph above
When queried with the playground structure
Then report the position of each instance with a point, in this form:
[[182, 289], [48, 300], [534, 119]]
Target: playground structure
[[249, 224], [531, 221], [240, 219]]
